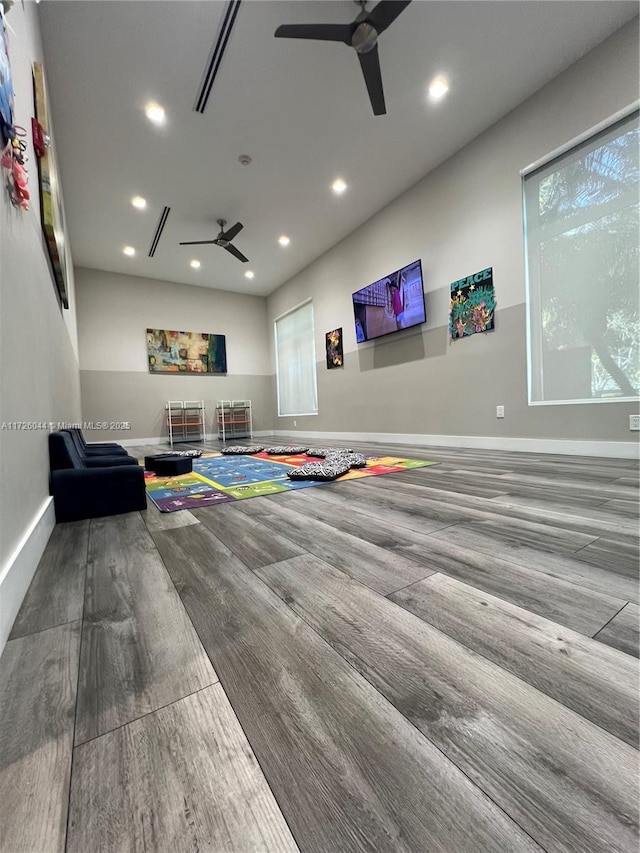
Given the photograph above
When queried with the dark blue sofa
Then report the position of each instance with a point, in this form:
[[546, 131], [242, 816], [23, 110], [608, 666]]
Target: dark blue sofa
[[90, 487], [107, 448]]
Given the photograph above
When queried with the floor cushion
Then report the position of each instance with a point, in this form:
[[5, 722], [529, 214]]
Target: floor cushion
[[318, 471], [323, 452], [240, 450], [355, 460], [285, 450]]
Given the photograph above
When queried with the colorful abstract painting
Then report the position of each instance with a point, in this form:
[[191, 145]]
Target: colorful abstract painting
[[6, 86], [333, 342], [186, 352], [220, 479], [473, 303]]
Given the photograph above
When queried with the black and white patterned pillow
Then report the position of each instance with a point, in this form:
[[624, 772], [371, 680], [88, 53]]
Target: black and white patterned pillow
[[186, 453], [323, 452], [354, 460], [285, 450], [240, 450], [318, 471]]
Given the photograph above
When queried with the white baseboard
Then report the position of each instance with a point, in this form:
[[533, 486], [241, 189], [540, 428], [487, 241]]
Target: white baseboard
[[566, 447], [561, 446], [19, 569], [133, 442]]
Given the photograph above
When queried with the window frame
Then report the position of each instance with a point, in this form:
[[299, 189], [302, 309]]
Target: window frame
[[277, 360], [534, 297]]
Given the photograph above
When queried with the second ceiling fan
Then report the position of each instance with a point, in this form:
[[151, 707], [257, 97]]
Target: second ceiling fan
[[362, 35]]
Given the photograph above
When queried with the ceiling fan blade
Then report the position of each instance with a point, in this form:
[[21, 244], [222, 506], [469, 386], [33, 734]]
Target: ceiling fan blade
[[197, 243], [237, 254], [385, 13], [232, 232], [323, 32], [370, 64]]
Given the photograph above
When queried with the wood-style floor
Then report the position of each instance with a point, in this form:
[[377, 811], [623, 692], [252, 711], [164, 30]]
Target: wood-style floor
[[440, 660]]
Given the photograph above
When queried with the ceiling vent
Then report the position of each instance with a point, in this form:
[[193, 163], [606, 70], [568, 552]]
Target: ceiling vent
[[159, 229], [215, 57]]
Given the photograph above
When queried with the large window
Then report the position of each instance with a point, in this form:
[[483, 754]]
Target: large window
[[296, 362], [581, 226]]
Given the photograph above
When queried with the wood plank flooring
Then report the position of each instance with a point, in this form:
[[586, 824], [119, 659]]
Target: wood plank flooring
[[250, 541], [56, 594], [439, 660], [210, 794], [490, 724], [622, 631], [609, 579], [566, 603], [38, 676], [579, 672], [139, 649], [348, 770], [382, 570]]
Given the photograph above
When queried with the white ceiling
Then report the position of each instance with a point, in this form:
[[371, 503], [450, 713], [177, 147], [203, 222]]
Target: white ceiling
[[299, 109]]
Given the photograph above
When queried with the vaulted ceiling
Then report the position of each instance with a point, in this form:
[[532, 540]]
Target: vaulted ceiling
[[299, 109]]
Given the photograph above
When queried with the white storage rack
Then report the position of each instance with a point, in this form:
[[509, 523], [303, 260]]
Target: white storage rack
[[234, 419], [185, 420]]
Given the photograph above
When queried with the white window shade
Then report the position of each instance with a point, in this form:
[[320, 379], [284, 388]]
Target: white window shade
[[296, 362], [581, 228]]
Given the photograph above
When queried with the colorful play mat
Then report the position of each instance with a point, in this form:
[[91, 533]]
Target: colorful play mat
[[219, 479]]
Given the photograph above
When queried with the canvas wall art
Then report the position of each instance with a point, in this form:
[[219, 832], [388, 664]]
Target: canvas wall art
[[51, 210], [6, 86], [333, 342], [473, 303], [186, 352]]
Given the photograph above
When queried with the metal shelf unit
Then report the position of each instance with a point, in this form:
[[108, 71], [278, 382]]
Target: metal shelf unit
[[234, 419], [185, 420]]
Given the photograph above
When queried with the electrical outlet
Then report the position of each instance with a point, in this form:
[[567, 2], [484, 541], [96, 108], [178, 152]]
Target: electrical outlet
[[499, 411], [295, 423], [634, 422]]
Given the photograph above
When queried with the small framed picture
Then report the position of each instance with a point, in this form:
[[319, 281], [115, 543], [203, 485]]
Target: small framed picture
[[333, 342]]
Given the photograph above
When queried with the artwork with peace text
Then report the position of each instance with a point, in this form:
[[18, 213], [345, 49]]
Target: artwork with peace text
[[473, 304]]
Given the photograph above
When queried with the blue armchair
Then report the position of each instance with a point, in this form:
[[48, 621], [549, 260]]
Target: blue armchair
[[90, 487]]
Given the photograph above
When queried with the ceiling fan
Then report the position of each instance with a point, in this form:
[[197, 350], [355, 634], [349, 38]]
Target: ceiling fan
[[223, 240], [362, 35]]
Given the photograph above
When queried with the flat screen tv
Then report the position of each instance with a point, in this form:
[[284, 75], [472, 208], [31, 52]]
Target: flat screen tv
[[393, 303]]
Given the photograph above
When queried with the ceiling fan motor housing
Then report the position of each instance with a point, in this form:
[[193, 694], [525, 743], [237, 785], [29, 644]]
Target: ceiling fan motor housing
[[364, 38]]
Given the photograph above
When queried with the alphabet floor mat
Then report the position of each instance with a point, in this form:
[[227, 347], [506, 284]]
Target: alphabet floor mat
[[220, 479]]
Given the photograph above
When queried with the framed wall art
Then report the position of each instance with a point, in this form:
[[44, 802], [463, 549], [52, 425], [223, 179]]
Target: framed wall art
[[51, 209], [473, 304], [333, 343], [186, 352]]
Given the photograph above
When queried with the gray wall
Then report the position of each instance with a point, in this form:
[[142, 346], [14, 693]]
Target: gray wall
[[114, 312], [463, 217], [39, 380]]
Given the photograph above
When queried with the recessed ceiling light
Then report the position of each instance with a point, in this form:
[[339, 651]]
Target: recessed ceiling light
[[195, 264], [249, 274], [155, 113], [438, 88], [338, 186], [129, 250], [284, 240], [139, 202]]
